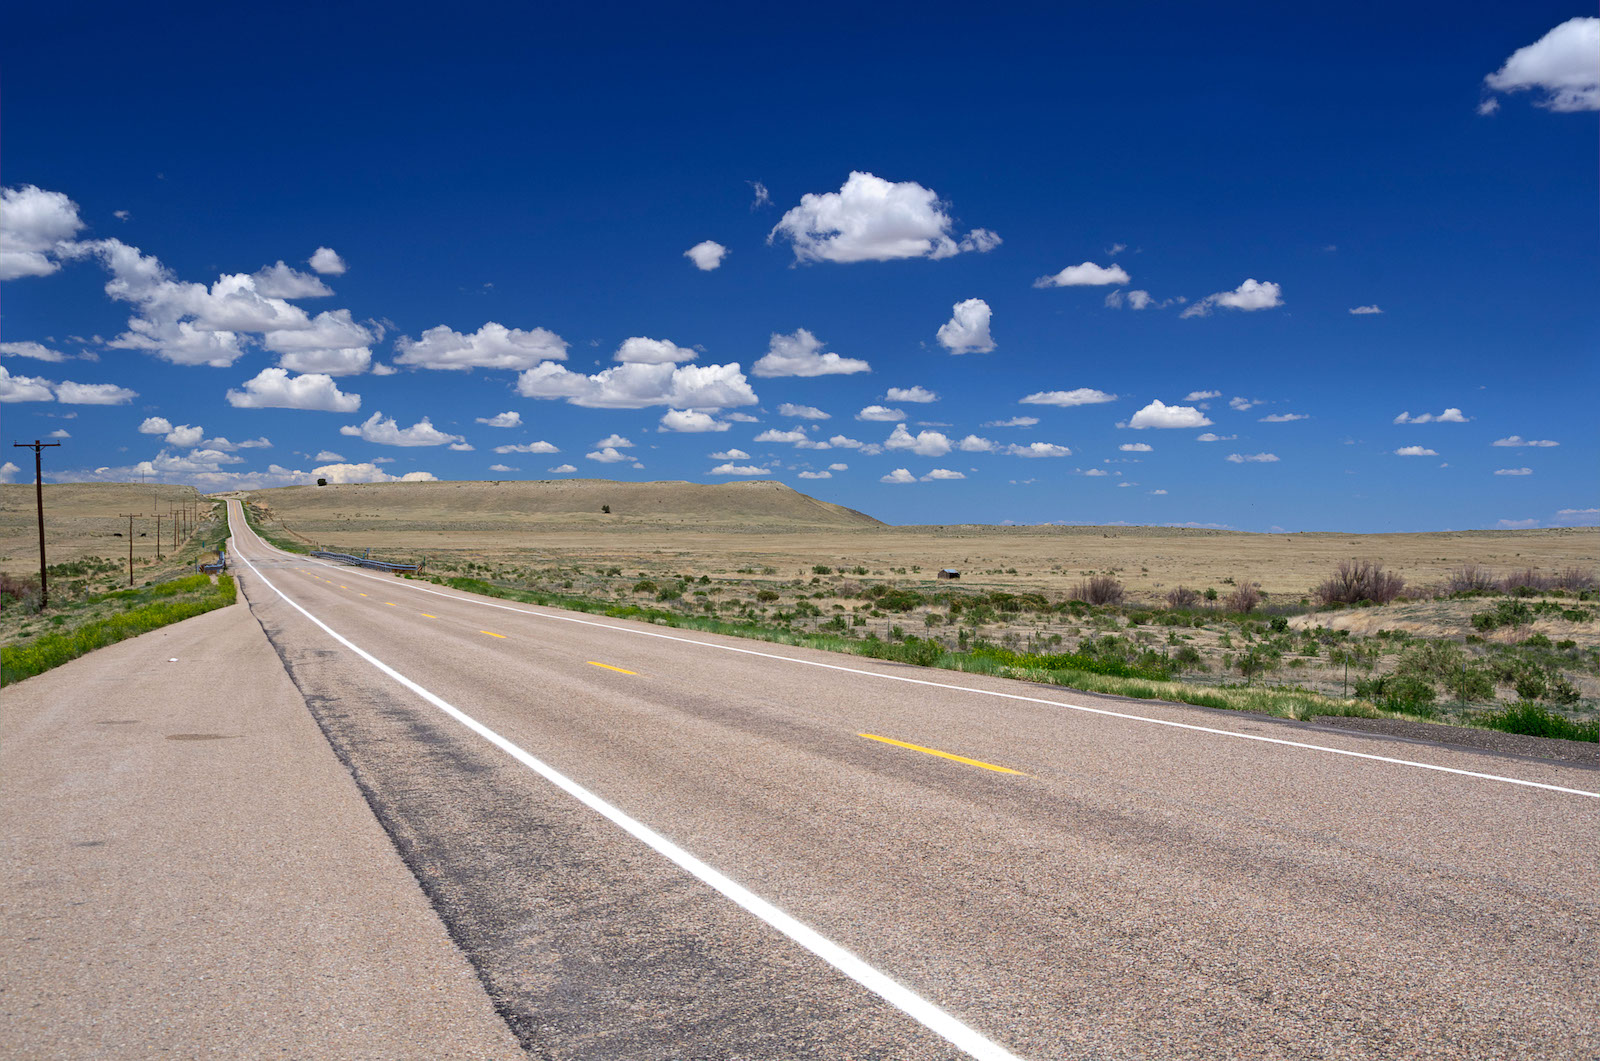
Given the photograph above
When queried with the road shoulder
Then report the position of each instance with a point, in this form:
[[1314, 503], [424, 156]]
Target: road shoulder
[[192, 872]]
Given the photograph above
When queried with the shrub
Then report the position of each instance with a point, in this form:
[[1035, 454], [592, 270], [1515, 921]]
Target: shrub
[[1182, 597], [1469, 578], [1577, 580], [1528, 582], [645, 585], [821, 569], [1099, 589], [1244, 600], [1412, 693], [1535, 721], [766, 595], [900, 600], [1188, 658], [847, 588], [1505, 613], [1355, 581], [1211, 593], [20, 593]]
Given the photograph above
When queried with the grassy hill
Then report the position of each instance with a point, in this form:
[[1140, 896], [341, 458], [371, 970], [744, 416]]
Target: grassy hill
[[328, 512]]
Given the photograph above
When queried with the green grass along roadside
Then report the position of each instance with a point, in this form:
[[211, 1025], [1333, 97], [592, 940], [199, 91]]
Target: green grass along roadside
[[147, 608], [1086, 673], [252, 519]]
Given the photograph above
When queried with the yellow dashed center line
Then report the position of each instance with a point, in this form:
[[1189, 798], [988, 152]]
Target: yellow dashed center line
[[391, 604], [344, 587], [361, 594], [491, 633], [425, 615], [942, 755], [608, 666]]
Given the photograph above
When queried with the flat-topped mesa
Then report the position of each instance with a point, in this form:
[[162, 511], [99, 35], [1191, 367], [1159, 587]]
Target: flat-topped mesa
[[760, 505]]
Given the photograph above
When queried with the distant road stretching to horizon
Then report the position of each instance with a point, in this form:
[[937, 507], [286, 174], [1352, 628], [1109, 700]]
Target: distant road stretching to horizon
[[658, 844]]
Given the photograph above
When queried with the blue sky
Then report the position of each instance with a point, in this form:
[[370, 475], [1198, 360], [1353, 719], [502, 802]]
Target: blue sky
[[1311, 270]]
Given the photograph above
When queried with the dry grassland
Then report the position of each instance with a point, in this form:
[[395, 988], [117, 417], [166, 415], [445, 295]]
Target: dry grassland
[[81, 520], [688, 528]]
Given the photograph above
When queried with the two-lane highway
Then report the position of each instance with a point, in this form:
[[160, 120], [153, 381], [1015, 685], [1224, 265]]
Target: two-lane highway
[[654, 843]]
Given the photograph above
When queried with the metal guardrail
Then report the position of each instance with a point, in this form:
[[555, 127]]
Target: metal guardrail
[[213, 567], [365, 561]]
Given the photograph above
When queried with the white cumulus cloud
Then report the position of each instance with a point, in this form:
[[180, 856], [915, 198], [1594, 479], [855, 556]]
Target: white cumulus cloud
[[383, 431], [967, 330], [706, 255], [1015, 421], [1159, 414], [36, 351], [1136, 447], [185, 436], [899, 475], [871, 219], [816, 475], [689, 420], [1284, 418], [283, 281], [368, 473], [640, 350], [800, 355], [1564, 64], [528, 447], [802, 412], [491, 346], [607, 455], [1086, 275], [740, 469], [563, 469], [938, 474], [326, 260], [1518, 442], [1251, 295], [34, 224], [881, 414], [730, 455], [923, 443], [1415, 451], [506, 419], [24, 388], [1078, 396], [1365, 311], [1252, 458], [634, 386], [1449, 416], [1513, 471], [774, 435], [1038, 449], [916, 395]]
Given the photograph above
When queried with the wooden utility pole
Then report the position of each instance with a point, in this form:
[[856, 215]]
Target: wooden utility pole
[[38, 497], [158, 518], [131, 517]]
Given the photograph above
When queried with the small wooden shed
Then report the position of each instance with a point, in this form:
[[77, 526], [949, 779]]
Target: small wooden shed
[[949, 572]]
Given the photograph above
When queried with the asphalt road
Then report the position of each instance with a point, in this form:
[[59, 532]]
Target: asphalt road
[[653, 843]]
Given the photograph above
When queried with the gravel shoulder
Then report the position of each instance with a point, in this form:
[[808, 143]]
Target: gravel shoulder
[[1568, 751]]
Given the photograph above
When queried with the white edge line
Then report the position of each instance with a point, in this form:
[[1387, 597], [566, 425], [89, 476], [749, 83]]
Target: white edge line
[[930, 1016], [981, 692]]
